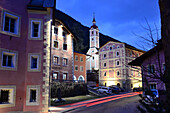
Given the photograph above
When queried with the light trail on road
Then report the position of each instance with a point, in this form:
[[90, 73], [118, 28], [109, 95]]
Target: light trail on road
[[101, 100]]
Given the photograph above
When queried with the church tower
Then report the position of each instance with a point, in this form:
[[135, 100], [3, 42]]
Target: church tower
[[94, 35], [93, 60]]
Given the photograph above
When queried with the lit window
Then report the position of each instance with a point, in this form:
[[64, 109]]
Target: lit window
[[55, 75], [152, 85], [11, 23], [64, 76], [35, 28], [8, 59], [81, 59], [76, 68], [76, 58], [55, 60], [55, 44], [81, 68], [7, 96], [81, 78], [65, 61]]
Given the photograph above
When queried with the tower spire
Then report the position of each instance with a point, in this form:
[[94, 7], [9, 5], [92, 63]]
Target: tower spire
[[94, 21]]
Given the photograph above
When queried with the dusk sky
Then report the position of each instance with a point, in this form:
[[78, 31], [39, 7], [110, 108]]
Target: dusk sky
[[119, 19]]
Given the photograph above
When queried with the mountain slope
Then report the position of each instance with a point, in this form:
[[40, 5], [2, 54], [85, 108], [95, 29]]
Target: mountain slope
[[81, 33]]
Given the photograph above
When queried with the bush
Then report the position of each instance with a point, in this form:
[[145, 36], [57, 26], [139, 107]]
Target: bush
[[68, 89]]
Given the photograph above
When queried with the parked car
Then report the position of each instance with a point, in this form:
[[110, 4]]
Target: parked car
[[151, 96], [115, 89], [105, 90], [136, 89]]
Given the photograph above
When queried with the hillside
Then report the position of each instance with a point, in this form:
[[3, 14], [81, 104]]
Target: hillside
[[81, 33]]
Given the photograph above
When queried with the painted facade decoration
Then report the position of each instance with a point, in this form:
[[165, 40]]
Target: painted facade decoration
[[113, 68], [62, 53], [24, 55], [152, 64], [92, 61], [79, 67]]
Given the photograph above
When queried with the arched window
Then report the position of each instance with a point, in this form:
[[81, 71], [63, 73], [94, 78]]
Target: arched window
[[74, 78], [81, 78]]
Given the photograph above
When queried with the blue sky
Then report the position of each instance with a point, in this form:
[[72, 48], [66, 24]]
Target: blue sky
[[119, 19]]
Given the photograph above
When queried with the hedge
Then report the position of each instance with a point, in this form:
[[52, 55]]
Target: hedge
[[68, 89]]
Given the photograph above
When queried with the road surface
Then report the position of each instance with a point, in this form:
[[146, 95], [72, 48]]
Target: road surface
[[124, 105]]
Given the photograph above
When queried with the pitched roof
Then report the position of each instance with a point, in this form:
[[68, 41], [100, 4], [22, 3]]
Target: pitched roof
[[40, 4], [138, 61]]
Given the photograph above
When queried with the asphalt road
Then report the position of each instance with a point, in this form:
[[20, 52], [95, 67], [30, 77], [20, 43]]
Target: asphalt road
[[125, 105]]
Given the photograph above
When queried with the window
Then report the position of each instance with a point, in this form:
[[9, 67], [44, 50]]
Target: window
[[11, 23], [152, 85], [64, 76], [92, 33], [65, 61], [104, 73], [118, 47], [55, 60], [104, 55], [117, 63], [81, 78], [76, 58], [92, 39], [34, 62], [81, 59], [104, 64], [117, 53], [76, 68], [81, 68], [8, 59], [93, 57], [96, 33], [55, 30], [64, 34], [164, 67], [64, 46], [131, 72], [55, 44], [7, 96], [118, 73], [55, 76], [33, 93], [151, 69], [111, 48], [64, 41], [35, 28]]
